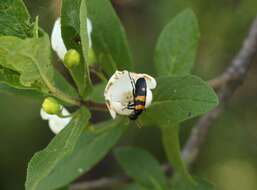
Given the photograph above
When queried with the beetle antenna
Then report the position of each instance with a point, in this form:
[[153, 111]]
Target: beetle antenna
[[132, 81]]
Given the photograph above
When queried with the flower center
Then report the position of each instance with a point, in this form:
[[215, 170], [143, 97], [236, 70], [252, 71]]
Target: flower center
[[126, 98]]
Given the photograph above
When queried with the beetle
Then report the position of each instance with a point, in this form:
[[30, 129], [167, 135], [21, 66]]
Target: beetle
[[139, 97]]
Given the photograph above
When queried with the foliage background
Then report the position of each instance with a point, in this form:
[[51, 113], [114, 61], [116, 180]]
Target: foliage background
[[228, 158]]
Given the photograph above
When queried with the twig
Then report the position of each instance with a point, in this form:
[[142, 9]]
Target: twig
[[228, 83], [108, 182], [58, 8], [95, 106]]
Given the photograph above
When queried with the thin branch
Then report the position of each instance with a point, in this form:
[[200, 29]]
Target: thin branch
[[109, 182], [95, 106], [58, 8], [227, 83]]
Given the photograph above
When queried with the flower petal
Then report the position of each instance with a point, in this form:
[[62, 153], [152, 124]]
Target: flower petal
[[121, 109], [55, 122], [118, 85], [150, 81], [57, 41], [43, 114], [111, 110], [149, 98], [89, 32]]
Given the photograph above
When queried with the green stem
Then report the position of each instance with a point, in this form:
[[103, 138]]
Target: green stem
[[59, 94], [171, 144], [35, 29], [54, 91]]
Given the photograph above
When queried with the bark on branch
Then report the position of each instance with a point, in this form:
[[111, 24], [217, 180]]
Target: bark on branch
[[227, 83]]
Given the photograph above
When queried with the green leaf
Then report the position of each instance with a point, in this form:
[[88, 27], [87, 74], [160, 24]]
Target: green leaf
[[30, 59], [6, 89], [10, 84], [142, 167], [16, 55], [92, 146], [97, 93], [45, 162], [14, 19], [74, 29], [109, 39], [177, 45], [11, 78], [171, 144], [70, 23], [177, 99], [63, 188], [84, 42], [134, 186], [179, 183]]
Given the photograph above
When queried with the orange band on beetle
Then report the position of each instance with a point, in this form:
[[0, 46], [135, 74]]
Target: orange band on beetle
[[140, 98], [139, 107]]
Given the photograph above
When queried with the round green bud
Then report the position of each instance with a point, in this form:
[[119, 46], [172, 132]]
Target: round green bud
[[72, 58], [91, 56], [51, 106]]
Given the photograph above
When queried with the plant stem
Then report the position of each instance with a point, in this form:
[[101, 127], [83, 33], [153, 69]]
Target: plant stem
[[171, 144], [58, 8], [95, 106], [227, 83]]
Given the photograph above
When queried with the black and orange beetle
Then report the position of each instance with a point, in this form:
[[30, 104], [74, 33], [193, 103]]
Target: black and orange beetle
[[139, 97]]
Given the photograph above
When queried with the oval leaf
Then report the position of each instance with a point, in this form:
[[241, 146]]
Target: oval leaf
[[177, 99], [177, 45], [142, 167], [45, 162], [109, 39], [4, 88], [92, 146], [30, 60], [14, 19]]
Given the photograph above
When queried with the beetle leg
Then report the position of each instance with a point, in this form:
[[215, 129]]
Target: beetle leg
[[130, 106]]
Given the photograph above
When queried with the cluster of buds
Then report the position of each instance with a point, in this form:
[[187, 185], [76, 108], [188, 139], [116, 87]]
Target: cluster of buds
[[119, 92], [58, 116]]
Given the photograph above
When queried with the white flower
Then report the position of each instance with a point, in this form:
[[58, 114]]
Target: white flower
[[119, 92], [55, 122], [57, 41]]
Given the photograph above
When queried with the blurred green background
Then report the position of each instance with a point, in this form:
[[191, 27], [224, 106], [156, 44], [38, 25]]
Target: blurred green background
[[229, 156]]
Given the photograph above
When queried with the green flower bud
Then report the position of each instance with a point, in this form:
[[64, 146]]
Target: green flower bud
[[51, 106], [71, 58], [91, 56]]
